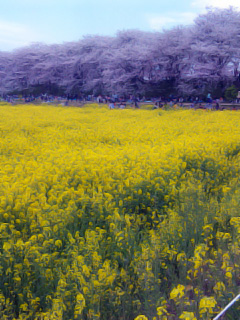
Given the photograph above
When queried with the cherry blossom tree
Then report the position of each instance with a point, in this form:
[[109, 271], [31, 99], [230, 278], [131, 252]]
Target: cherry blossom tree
[[215, 49], [184, 60]]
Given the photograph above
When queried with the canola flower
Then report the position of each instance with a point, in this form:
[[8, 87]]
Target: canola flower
[[207, 304], [132, 214], [177, 292], [187, 316]]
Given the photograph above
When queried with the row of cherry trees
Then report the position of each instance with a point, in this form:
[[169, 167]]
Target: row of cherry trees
[[187, 59]]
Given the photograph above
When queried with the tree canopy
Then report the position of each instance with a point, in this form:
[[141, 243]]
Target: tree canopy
[[186, 59]]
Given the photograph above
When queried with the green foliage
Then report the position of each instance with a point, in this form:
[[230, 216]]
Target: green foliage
[[231, 93]]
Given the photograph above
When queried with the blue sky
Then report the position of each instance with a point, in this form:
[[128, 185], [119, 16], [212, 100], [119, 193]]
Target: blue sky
[[23, 22]]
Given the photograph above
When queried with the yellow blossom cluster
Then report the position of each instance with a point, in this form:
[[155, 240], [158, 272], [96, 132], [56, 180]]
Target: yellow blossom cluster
[[121, 214]]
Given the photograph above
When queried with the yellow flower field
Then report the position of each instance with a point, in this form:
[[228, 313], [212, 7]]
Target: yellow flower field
[[118, 214]]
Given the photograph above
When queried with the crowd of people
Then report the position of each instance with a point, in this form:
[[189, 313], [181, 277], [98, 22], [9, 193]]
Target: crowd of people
[[118, 102]]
